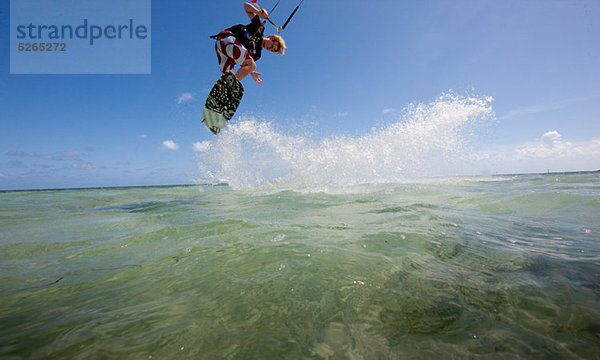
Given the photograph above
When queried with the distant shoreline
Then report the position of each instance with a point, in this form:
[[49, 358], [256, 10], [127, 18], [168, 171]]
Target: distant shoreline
[[554, 173], [117, 187]]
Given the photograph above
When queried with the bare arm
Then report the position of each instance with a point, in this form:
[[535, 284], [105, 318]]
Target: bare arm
[[252, 11], [248, 67]]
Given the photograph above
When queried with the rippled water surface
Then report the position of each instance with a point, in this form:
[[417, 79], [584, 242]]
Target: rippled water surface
[[498, 267]]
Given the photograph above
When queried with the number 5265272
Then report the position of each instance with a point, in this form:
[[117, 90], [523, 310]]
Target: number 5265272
[[39, 47]]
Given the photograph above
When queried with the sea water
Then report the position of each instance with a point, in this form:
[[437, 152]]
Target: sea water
[[294, 252]]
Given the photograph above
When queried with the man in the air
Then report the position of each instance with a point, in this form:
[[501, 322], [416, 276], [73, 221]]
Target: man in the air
[[243, 44]]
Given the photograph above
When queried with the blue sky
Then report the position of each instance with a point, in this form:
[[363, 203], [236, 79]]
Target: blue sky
[[350, 65]]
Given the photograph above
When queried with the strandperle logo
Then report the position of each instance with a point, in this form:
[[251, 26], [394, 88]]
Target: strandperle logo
[[80, 37], [85, 31]]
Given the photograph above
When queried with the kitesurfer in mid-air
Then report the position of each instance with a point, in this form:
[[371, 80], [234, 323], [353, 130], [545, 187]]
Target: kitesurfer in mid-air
[[239, 45], [243, 44]]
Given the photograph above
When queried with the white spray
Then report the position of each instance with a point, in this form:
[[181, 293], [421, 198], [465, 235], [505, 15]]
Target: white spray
[[251, 155]]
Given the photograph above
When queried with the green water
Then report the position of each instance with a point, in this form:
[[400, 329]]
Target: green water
[[503, 267]]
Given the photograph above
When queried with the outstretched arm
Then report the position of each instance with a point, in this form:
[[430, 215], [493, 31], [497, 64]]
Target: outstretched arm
[[246, 68], [253, 10]]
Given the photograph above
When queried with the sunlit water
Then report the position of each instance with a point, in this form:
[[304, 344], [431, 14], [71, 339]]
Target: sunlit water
[[497, 267], [336, 248]]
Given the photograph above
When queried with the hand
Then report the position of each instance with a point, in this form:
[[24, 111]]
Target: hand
[[263, 13], [255, 75]]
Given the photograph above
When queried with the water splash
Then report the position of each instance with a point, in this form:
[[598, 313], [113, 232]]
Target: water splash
[[252, 155]]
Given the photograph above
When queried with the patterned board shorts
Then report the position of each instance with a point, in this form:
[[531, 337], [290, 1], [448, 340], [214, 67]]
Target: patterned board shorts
[[230, 52]]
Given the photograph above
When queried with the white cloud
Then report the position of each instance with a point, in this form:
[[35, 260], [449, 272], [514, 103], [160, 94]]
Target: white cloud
[[545, 107], [59, 156], [201, 146], [529, 110], [550, 152], [53, 163], [185, 97], [388, 111], [29, 154], [552, 136], [552, 147], [340, 114], [82, 165], [143, 136], [170, 145]]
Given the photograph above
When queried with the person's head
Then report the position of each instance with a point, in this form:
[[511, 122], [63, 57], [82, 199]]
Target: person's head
[[275, 44]]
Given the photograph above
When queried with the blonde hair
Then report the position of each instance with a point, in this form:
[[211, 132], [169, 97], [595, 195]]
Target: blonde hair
[[279, 40]]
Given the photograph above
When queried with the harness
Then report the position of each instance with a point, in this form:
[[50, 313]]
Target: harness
[[252, 42], [222, 35]]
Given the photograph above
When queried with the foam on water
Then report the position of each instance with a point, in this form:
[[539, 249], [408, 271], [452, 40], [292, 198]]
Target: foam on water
[[250, 154]]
